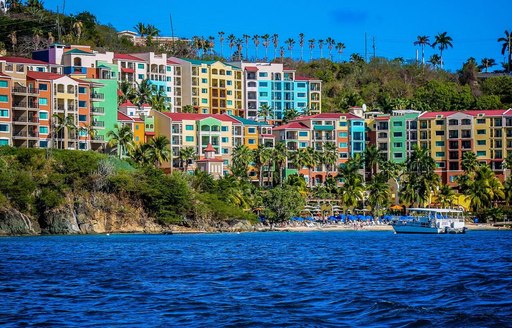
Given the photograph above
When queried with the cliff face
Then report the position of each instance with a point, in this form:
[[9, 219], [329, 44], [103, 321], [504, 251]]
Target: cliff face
[[91, 213]]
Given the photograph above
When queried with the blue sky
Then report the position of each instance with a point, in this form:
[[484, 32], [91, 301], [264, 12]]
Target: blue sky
[[473, 25]]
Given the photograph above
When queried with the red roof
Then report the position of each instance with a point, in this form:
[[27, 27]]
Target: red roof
[[251, 69], [197, 117], [209, 148], [22, 60], [288, 69], [488, 112], [491, 112], [215, 160], [145, 105], [148, 133], [137, 119], [119, 92], [172, 62], [127, 70], [127, 104], [3, 75], [44, 75], [127, 57], [305, 78], [336, 116], [382, 118], [123, 117], [292, 125]]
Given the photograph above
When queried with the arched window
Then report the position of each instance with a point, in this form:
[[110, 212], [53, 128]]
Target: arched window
[[77, 61]]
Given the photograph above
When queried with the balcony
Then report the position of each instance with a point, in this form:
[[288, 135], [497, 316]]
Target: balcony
[[25, 105], [25, 134], [98, 138], [25, 119], [99, 124], [25, 90], [98, 110], [97, 96]]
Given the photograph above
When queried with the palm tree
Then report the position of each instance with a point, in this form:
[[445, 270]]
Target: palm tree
[[340, 46], [266, 44], [378, 193], [239, 48], [290, 114], [445, 196], [443, 41], [127, 92], [232, 41], [486, 63], [330, 155], [71, 127], [311, 160], [151, 32], [469, 162], [290, 42], [353, 182], [256, 41], [143, 92], [221, 41], [265, 111], [159, 150], [242, 157], [435, 60], [122, 138], [372, 159], [246, 38], [311, 47], [275, 41], [158, 101], [484, 189], [330, 44], [393, 171], [262, 156], [187, 155], [507, 46], [140, 28], [57, 127], [211, 44], [422, 41], [280, 154], [301, 45], [421, 178], [140, 154], [90, 132], [321, 46]]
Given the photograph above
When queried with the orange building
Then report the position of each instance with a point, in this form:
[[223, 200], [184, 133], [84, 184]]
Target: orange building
[[5, 112]]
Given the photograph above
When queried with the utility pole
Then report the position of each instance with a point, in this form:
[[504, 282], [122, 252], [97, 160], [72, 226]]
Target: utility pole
[[374, 47]]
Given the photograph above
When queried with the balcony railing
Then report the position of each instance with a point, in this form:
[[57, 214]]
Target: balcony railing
[[25, 105], [25, 134], [99, 124], [25, 90], [97, 96], [98, 110], [25, 119]]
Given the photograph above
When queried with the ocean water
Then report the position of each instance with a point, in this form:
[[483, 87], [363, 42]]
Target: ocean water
[[314, 279]]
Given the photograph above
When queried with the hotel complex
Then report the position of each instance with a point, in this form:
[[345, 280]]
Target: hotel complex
[[67, 97]]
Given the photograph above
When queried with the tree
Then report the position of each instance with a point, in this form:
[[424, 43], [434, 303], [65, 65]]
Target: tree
[[140, 154], [265, 111], [353, 182], [330, 45], [421, 178], [261, 156], [507, 46], [143, 92], [281, 204], [445, 196], [483, 189], [275, 41], [290, 42], [321, 46], [372, 159], [290, 115], [330, 155], [340, 46], [221, 42], [486, 63], [266, 44], [246, 38], [242, 157], [140, 28], [188, 109], [159, 150], [280, 154], [311, 47], [310, 160], [187, 155], [443, 42], [469, 162], [422, 41], [378, 193], [57, 127], [435, 60], [301, 45], [151, 32], [232, 40], [122, 138], [256, 41]]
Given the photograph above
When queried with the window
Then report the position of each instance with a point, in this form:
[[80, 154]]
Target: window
[[303, 145], [358, 136], [398, 155], [439, 122], [169, 68], [4, 98], [301, 85], [229, 82], [189, 127], [480, 121], [43, 144], [43, 129], [224, 129], [82, 90], [301, 95], [4, 113], [263, 74], [140, 76], [263, 94], [4, 84], [82, 118], [264, 84], [189, 139], [204, 80], [225, 139], [343, 145], [357, 123], [136, 127], [82, 104], [4, 127], [439, 133], [398, 123], [204, 101], [225, 151], [481, 142], [440, 143], [204, 90], [140, 66], [481, 153], [204, 70], [480, 132], [43, 101], [343, 123], [229, 72], [397, 145], [343, 155], [301, 105], [251, 130], [440, 165], [440, 154], [303, 133], [43, 115], [343, 134], [252, 141], [397, 134], [230, 102]]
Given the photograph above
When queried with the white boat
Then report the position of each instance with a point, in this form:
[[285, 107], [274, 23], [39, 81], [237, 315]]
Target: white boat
[[430, 220]]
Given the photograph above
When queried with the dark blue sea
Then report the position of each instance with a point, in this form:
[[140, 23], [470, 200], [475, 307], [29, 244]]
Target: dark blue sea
[[314, 279]]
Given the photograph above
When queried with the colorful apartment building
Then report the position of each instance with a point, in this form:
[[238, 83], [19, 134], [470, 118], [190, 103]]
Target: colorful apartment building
[[139, 119], [211, 87], [345, 131], [279, 88], [5, 110]]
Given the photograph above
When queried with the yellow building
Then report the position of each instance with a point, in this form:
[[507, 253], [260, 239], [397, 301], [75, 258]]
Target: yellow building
[[211, 87]]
